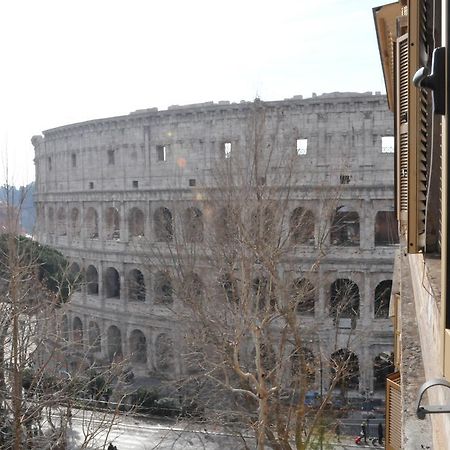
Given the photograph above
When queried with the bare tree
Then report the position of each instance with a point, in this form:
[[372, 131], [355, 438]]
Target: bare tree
[[39, 391], [244, 267]]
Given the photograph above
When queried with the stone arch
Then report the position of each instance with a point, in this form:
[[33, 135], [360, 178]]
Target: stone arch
[[382, 299], [136, 222], [193, 225], [163, 289], [345, 227], [75, 222], [61, 221], [114, 340], [77, 325], [112, 283], [303, 363], [301, 226], [138, 347], [51, 220], [386, 231], [112, 223], [92, 280], [344, 369], [263, 223], [383, 365], [91, 223], [95, 339], [136, 286], [304, 296], [164, 353], [344, 299], [163, 224]]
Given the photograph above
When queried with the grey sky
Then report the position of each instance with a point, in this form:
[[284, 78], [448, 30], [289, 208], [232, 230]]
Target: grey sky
[[67, 61]]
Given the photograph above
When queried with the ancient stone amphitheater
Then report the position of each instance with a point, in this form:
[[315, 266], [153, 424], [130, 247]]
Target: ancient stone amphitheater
[[109, 189]]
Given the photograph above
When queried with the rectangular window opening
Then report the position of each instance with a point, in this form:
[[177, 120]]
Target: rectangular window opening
[[49, 160], [227, 149], [345, 179], [302, 146], [135, 183], [161, 152], [192, 182], [111, 157], [74, 160], [91, 185], [387, 144]]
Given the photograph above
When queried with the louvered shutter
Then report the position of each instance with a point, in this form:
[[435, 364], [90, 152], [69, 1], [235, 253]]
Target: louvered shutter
[[402, 129], [418, 126], [393, 427]]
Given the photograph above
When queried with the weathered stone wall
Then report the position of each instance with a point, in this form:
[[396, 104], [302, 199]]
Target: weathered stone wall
[[84, 170]]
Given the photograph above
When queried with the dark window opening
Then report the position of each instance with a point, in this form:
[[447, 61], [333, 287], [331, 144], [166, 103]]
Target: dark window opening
[[136, 286], [92, 280], [192, 182], [382, 299], [383, 365], [161, 152], [344, 370], [49, 160], [138, 347], [91, 185], [111, 157], [112, 283], [302, 226], [303, 296], [345, 179], [386, 231], [74, 160], [135, 184], [345, 228], [193, 225], [344, 299], [163, 224], [163, 288]]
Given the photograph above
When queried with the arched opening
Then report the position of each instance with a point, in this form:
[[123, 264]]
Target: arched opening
[[92, 280], [136, 286], [193, 288], [345, 227], [112, 283], [344, 370], [386, 231], [303, 366], [164, 353], [263, 224], [163, 225], [163, 288], [344, 299], [51, 220], [74, 276], [229, 288], [193, 225], [136, 222], [112, 224], [264, 293], [383, 365], [226, 225], [301, 225], [382, 299], [114, 338], [91, 223], [75, 224], [138, 347], [61, 222], [77, 330], [304, 296], [94, 337]]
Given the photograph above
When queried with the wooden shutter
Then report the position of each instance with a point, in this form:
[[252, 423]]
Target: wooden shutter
[[418, 126], [402, 129], [393, 427]]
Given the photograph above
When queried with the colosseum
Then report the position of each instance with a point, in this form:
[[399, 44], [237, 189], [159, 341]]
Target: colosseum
[[107, 190]]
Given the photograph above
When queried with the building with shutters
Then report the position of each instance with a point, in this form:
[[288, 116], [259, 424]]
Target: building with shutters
[[108, 190], [413, 38]]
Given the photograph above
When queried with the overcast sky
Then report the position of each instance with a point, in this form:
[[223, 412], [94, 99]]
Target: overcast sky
[[66, 61]]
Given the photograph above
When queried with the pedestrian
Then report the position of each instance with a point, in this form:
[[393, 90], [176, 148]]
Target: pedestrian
[[364, 431], [380, 433], [337, 431], [111, 447]]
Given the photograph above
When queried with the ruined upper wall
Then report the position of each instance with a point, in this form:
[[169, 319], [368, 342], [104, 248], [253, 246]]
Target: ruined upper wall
[[343, 132]]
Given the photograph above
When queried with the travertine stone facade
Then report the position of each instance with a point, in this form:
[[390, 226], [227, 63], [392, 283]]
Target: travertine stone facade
[[104, 187]]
